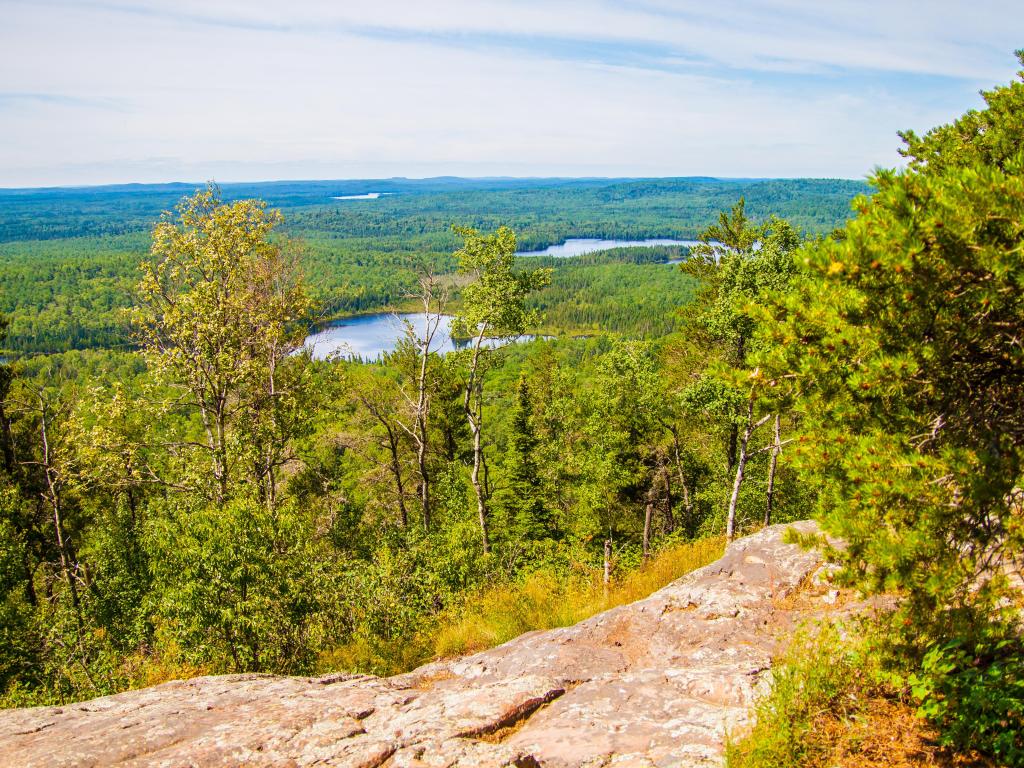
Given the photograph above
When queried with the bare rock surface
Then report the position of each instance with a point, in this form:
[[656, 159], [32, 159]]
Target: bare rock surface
[[654, 683]]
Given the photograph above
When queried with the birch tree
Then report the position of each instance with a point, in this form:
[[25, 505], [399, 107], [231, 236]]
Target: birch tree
[[433, 297], [220, 305], [493, 308]]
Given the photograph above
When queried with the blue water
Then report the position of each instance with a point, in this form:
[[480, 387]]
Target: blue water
[[368, 337], [580, 246], [367, 196]]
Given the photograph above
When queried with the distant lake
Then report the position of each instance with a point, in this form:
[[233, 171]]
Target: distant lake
[[580, 246], [370, 336], [366, 196]]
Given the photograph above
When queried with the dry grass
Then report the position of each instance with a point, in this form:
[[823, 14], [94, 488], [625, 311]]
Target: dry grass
[[376, 656], [143, 669], [500, 613], [426, 682], [831, 706], [886, 733], [496, 614]]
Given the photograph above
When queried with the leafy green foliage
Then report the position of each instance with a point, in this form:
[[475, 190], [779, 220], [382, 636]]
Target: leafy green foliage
[[975, 693], [68, 258], [238, 587], [740, 265], [901, 342], [494, 299], [228, 505], [220, 306], [599, 295]]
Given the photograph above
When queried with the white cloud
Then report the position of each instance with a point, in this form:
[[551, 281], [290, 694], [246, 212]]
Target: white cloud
[[941, 37], [242, 90]]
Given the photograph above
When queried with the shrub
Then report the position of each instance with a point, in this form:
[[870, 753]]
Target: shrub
[[974, 692], [818, 679]]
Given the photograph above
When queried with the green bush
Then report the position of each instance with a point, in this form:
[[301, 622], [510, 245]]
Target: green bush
[[239, 588], [974, 692], [820, 675]]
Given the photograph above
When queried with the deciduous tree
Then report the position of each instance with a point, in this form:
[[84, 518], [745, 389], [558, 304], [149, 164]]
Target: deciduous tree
[[493, 307], [220, 317]]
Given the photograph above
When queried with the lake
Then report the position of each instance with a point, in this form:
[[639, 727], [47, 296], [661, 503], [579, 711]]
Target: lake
[[369, 336], [367, 196], [580, 246]]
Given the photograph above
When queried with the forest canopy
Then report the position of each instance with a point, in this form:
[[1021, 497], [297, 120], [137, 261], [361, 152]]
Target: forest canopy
[[69, 258]]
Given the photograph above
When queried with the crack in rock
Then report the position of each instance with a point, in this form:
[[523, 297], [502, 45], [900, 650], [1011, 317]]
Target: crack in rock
[[517, 716]]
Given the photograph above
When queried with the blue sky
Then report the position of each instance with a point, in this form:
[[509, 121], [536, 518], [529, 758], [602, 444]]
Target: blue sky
[[102, 91]]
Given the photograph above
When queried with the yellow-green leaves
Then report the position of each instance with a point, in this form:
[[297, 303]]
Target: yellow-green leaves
[[493, 302], [218, 304]]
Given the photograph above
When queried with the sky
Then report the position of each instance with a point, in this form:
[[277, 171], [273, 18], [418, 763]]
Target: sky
[[115, 91]]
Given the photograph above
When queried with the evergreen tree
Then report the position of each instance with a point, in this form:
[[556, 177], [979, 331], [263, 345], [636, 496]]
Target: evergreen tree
[[522, 498], [902, 344]]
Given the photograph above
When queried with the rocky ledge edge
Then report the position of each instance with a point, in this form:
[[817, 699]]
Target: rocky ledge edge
[[659, 682]]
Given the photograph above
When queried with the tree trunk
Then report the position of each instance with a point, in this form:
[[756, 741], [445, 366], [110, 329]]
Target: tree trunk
[[6, 439], [52, 496], [272, 455], [772, 464], [481, 505], [648, 514], [433, 310], [473, 406], [730, 449], [687, 502], [666, 479], [396, 471], [381, 414], [221, 471], [741, 465], [607, 565], [422, 406], [652, 497]]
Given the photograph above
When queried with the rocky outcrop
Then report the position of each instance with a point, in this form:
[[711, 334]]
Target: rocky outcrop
[[658, 682]]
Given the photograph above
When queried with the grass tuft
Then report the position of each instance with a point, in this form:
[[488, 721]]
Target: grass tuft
[[499, 613]]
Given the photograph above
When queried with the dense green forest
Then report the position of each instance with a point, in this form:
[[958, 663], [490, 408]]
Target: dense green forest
[[70, 262], [216, 502], [208, 498], [545, 211]]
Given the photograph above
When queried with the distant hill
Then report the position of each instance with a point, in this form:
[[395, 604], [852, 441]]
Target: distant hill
[[60, 212]]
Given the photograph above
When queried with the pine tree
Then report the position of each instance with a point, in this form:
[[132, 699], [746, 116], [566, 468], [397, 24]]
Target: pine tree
[[901, 341], [523, 497]]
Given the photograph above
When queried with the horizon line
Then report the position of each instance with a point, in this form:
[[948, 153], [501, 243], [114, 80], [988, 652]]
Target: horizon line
[[504, 177]]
